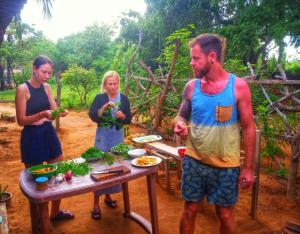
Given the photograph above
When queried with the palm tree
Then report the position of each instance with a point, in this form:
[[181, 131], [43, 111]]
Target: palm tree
[[12, 8]]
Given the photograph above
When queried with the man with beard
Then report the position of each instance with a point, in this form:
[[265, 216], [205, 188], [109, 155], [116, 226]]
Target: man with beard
[[218, 105]]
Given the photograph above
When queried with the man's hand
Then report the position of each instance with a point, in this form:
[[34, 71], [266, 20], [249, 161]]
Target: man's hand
[[246, 178], [181, 128]]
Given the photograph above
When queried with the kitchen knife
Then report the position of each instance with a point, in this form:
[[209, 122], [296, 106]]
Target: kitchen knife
[[107, 171]]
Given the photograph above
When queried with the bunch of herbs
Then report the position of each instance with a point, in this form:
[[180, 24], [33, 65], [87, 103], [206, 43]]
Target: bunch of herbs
[[92, 153], [56, 112], [106, 120], [78, 169]]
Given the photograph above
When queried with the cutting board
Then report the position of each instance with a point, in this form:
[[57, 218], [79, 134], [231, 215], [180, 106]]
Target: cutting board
[[99, 177]]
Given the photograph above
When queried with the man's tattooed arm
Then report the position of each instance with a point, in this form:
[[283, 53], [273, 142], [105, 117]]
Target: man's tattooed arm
[[186, 106]]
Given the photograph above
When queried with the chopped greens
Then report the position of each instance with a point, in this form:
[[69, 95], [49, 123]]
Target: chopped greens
[[121, 149], [94, 153], [108, 158], [78, 169]]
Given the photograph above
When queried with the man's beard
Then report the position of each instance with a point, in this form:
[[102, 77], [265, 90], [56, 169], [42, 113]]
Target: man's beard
[[203, 72]]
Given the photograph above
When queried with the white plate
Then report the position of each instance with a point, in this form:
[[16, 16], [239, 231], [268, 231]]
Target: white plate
[[135, 162], [78, 160], [147, 139]]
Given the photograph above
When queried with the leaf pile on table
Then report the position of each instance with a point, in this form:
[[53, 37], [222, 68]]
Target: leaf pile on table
[[94, 153], [78, 169], [121, 149]]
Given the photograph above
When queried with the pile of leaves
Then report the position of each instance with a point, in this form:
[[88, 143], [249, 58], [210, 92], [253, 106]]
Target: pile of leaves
[[93, 153], [121, 149], [78, 169]]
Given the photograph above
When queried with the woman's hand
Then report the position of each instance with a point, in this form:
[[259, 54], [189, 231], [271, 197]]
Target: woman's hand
[[120, 115], [104, 107], [45, 114], [64, 113]]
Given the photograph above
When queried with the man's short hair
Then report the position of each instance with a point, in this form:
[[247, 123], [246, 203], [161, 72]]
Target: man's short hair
[[209, 43]]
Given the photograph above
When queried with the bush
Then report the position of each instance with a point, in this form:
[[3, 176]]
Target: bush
[[81, 81]]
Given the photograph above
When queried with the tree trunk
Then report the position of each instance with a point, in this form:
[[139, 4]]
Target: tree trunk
[[9, 62], [281, 52], [292, 179], [9, 72], [2, 77], [58, 82], [163, 95]]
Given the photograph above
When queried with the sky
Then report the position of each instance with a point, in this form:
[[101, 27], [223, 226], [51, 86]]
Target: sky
[[71, 16]]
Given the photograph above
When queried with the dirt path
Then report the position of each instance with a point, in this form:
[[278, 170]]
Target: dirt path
[[76, 136]]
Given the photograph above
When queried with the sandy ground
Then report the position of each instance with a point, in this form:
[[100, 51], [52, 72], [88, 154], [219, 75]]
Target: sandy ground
[[76, 135]]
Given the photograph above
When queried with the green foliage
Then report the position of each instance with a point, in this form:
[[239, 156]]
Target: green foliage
[[182, 68], [80, 81], [23, 75], [293, 67], [236, 66], [283, 172], [85, 47], [265, 122], [8, 94]]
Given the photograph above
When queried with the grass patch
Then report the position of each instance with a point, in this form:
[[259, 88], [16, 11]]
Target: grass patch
[[8, 94]]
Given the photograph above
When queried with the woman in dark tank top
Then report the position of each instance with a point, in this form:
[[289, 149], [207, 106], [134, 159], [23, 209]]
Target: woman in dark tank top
[[39, 142]]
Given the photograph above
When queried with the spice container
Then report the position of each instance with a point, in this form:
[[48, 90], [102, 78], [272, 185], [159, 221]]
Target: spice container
[[41, 183]]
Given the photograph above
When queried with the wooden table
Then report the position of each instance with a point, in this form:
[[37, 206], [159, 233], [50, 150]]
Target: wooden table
[[165, 152], [84, 184]]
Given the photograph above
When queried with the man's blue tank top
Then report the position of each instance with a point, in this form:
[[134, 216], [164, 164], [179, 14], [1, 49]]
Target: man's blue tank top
[[214, 135]]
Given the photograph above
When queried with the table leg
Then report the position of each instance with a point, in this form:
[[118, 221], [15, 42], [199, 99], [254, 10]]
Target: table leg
[[152, 203], [44, 216], [34, 214], [132, 215], [126, 199], [179, 169], [167, 167]]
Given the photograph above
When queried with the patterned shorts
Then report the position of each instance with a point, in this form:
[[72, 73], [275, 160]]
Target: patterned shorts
[[219, 184]]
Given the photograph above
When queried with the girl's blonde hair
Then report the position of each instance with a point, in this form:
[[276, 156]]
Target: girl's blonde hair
[[106, 76]]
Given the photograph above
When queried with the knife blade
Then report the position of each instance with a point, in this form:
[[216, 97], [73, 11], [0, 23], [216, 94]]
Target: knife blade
[[107, 171]]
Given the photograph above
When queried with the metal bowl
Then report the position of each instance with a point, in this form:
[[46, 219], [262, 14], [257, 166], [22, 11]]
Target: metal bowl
[[135, 153]]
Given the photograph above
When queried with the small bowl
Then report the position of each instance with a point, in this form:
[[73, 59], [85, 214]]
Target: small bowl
[[134, 153], [46, 170]]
